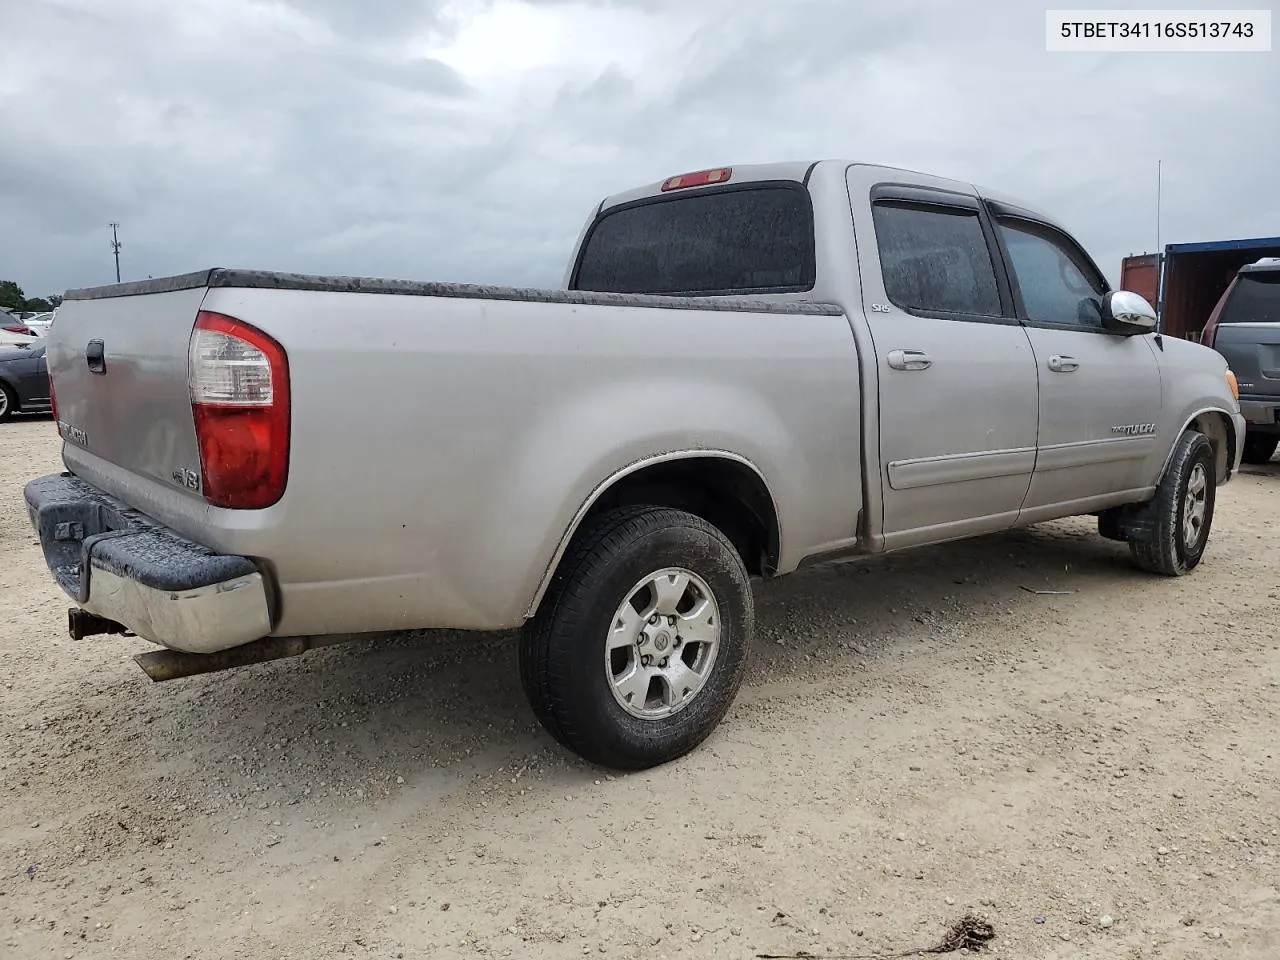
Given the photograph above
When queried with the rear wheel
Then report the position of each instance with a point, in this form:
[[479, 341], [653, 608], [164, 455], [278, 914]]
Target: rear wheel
[[1169, 534], [1259, 449], [641, 643], [8, 403]]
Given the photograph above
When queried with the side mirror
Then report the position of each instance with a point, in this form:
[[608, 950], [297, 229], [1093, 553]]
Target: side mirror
[[1127, 313]]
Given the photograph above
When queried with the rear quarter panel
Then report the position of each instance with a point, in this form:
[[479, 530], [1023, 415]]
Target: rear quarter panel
[[442, 446]]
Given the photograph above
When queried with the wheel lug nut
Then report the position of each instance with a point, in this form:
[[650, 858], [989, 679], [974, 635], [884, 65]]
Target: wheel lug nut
[[654, 618], [671, 621]]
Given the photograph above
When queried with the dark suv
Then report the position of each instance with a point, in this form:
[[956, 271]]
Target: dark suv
[[1245, 328]]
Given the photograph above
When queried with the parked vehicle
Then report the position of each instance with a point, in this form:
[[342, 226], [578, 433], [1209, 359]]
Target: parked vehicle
[[751, 369], [1245, 328], [14, 325], [24, 380], [40, 323], [8, 338]]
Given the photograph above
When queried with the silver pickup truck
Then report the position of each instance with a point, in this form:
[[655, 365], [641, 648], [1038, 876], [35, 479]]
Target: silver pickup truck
[[750, 369]]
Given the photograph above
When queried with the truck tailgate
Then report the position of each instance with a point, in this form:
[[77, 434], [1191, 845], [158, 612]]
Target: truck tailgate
[[1253, 352], [119, 370]]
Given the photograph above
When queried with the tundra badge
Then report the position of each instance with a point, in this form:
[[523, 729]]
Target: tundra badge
[[74, 434], [1134, 429]]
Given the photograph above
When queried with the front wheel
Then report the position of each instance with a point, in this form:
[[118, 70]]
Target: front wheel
[[1259, 449], [641, 643], [8, 403], [1170, 533]]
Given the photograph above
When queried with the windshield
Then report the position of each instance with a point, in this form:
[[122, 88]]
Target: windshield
[[1255, 299], [754, 239]]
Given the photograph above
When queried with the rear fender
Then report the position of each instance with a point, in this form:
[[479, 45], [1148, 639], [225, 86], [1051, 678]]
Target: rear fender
[[580, 448]]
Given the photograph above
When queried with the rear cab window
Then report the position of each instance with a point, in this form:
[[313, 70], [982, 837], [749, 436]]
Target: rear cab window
[[1254, 298], [752, 238]]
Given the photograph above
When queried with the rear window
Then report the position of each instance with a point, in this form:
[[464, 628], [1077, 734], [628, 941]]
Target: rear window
[[1256, 299], [726, 241]]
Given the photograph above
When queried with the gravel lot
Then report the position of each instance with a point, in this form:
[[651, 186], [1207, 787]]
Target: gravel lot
[[920, 735]]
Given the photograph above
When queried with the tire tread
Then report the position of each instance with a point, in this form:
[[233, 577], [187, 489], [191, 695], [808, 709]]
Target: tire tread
[[1153, 532], [547, 640]]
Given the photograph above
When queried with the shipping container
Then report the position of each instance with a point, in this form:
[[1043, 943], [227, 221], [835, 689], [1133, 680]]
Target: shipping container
[[1192, 280], [1141, 274]]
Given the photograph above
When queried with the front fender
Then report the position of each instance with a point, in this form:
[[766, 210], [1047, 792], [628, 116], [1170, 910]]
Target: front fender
[[1194, 385]]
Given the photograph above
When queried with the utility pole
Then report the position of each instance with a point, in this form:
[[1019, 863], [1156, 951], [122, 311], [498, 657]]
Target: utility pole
[[115, 247]]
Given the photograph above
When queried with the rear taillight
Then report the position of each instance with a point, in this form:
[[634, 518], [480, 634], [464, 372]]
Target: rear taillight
[[21, 328], [239, 381], [53, 403]]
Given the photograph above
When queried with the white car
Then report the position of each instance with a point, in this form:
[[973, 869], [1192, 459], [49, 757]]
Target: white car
[[40, 323], [10, 339]]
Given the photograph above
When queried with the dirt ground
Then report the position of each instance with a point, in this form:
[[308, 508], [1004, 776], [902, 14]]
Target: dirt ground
[[920, 736]]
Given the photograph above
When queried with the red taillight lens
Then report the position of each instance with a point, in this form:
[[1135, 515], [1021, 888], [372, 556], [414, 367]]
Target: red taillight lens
[[53, 402], [21, 328], [239, 382]]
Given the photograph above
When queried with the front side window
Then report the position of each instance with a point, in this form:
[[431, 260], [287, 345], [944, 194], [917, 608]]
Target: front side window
[[1057, 283], [935, 260]]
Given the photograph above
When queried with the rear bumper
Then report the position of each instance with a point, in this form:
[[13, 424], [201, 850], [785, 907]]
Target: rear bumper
[[1262, 415], [118, 564]]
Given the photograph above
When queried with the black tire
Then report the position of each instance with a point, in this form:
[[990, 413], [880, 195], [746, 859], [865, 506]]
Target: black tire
[[563, 663], [1259, 449], [8, 403], [1157, 532]]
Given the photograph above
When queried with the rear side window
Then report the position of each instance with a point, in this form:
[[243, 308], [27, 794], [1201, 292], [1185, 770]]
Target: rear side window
[[935, 260], [1256, 299], [729, 241]]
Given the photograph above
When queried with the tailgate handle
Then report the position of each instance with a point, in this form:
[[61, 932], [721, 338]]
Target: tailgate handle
[[95, 355]]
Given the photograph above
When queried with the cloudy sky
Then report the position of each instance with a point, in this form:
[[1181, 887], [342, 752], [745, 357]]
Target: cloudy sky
[[467, 139]]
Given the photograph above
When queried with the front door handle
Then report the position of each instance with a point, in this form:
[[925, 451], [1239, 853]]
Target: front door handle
[[1063, 364], [909, 360]]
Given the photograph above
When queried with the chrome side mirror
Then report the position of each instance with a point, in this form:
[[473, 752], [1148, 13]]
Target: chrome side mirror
[[1127, 313]]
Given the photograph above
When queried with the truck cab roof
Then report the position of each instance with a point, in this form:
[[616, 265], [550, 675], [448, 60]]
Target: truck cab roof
[[800, 171]]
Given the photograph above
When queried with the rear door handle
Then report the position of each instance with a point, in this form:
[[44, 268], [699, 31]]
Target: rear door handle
[[909, 360], [1063, 364]]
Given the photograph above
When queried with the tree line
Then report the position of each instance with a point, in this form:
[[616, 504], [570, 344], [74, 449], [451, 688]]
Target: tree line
[[12, 297]]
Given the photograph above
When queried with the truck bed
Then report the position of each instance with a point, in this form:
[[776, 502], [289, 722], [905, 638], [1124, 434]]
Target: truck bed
[[443, 436]]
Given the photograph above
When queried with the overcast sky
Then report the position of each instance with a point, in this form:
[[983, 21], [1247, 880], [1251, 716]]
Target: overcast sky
[[467, 140]]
